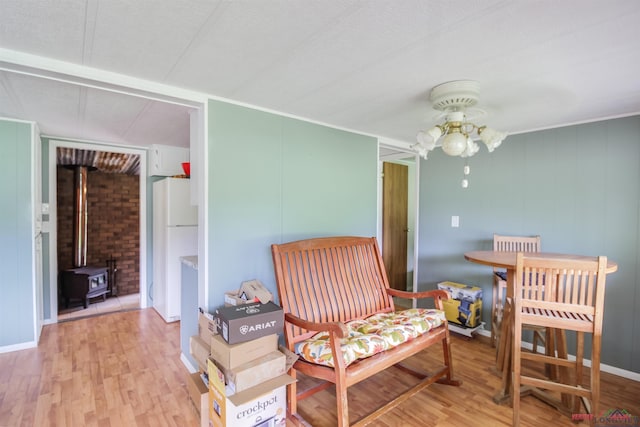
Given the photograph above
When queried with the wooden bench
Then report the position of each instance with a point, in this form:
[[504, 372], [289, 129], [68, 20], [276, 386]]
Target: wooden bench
[[324, 283]]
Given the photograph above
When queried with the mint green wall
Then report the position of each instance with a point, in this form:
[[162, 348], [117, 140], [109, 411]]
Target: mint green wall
[[578, 187], [274, 179], [16, 235]]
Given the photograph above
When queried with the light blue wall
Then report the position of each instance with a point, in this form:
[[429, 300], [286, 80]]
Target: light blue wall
[[578, 187], [16, 235], [274, 179]]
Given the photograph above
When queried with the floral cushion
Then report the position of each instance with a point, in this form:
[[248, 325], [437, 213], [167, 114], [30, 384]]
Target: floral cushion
[[370, 336]]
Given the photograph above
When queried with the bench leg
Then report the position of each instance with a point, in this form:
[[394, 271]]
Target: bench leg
[[448, 361], [292, 397], [343, 404]]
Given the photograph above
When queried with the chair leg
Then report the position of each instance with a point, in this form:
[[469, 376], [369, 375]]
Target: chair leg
[[516, 370], [504, 330], [595, 375], [579, 369], [534, 343], [494, 320]]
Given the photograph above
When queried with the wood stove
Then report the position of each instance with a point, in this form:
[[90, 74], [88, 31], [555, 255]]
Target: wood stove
[[82, 282], [85, 283]]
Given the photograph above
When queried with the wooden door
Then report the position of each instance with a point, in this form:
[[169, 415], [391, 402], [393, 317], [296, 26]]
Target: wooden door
[[395, 182]]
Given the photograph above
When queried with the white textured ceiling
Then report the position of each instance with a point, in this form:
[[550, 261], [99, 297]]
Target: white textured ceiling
[[367, 66]]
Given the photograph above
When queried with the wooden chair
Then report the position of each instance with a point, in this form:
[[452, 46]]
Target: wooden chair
[[562, 294], [505, 243], [324, 283]]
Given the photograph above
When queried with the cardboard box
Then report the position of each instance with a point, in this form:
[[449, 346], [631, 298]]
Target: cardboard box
[[459, 291], [465, 309], [256, 371], [262, 405], [232, 298], [252, 289], [249, 321], [206, 326], [290, 355], [463, 312], [230, 356], [199, 394], [200, 350]]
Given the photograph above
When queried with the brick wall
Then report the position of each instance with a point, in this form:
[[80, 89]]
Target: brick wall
[[113, 227]]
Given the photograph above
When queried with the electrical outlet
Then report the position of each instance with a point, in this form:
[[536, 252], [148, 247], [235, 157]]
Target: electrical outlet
[[455, 221]]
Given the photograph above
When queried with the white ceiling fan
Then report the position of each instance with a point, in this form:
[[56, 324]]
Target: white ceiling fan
[[456, 100]]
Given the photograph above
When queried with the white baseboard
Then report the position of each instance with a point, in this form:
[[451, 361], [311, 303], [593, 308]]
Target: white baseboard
[[16, 347], [187, 364], [635, 376]]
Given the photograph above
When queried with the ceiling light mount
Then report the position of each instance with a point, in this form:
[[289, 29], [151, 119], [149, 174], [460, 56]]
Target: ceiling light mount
[[454, 98]]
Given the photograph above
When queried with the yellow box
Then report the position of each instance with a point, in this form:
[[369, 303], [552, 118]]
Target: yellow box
[[460, 291], [470, 315]]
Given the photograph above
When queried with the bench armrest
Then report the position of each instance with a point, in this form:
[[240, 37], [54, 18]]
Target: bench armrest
[[437, 294], [337, 328]]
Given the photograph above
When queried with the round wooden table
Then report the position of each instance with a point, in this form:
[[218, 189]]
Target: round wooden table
[[507, 261]]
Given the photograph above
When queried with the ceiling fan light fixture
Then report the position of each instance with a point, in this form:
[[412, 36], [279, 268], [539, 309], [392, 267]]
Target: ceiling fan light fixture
[[453, 98]]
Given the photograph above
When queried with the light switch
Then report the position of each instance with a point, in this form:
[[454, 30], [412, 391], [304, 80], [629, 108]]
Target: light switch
[[455, 221]]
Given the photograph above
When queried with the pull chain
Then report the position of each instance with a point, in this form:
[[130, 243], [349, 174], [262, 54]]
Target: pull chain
[[466, 170]]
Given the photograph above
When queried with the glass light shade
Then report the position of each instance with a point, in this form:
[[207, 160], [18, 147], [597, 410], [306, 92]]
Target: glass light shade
[[435, 133], [491, 137], [420, 150], [425, 140], [454, 144], [471, 149]]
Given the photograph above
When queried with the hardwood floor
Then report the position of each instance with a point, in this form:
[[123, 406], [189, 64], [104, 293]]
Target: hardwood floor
[[120, 369], [124, 369]]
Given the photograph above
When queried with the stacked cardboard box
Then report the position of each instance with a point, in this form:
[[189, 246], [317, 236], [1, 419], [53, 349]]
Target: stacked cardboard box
[[200, 348], [250, 291], [247, 372], [465, 309]]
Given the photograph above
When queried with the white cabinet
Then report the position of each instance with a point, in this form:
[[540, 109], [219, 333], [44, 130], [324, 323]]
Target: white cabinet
[[165, 160]]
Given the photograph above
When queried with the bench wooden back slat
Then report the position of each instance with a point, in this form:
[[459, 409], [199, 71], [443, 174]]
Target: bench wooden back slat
[[332, 279]]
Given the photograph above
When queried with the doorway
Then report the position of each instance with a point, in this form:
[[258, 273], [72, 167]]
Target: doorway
[[54, 145], [401, 233]]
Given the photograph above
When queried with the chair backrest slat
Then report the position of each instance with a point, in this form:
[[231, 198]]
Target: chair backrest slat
[[503, 243], [331, 279], [561, 282]]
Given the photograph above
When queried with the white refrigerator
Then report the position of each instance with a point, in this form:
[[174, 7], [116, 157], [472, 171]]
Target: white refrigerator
[[175, 234]]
